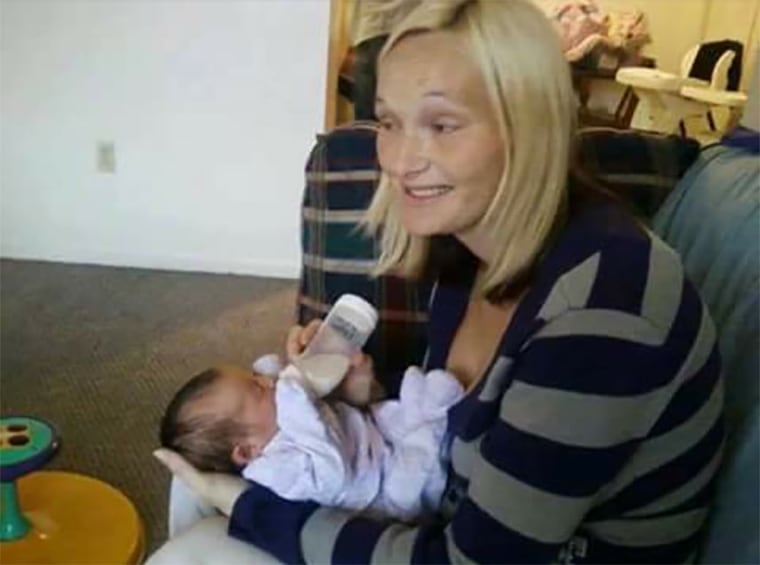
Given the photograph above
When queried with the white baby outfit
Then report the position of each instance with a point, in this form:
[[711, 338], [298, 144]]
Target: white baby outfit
[[385, 458]]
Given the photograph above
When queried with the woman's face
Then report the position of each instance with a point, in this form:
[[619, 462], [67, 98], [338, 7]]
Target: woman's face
[[439, 142]]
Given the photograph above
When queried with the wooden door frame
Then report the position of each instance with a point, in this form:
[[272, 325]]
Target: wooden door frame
[[339, 42]]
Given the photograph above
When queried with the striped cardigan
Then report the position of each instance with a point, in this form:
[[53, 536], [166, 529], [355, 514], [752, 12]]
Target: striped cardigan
[[594, 436]]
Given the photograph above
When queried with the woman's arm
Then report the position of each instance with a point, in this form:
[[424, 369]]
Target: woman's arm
[[303, 532]]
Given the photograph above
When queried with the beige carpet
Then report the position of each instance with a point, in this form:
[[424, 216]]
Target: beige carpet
[[99, 351]]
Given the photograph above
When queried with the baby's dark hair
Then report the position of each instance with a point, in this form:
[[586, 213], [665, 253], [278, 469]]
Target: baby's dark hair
[[204, 440]]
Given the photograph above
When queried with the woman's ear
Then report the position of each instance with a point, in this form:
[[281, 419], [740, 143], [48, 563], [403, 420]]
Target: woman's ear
[[245, 451]]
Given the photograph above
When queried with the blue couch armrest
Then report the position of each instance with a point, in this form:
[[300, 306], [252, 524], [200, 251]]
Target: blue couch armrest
[[713, 220]]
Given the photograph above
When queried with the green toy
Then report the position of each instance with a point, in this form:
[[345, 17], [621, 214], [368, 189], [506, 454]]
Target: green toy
[[26, 443]]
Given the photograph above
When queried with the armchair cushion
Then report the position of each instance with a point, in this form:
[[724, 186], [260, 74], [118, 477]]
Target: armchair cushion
[[207, 543], [643, 168]]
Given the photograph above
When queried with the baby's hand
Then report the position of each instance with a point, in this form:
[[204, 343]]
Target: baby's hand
[[360, 387]]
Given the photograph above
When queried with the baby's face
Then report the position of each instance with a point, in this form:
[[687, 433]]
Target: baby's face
[[247, 398]]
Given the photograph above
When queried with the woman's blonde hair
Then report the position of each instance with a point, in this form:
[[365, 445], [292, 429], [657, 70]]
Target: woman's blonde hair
[[529, 84]]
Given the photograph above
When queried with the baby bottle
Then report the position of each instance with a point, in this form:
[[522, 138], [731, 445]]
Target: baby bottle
[[345, 330]]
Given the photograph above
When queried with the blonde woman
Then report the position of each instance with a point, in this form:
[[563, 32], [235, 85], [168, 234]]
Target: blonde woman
[[592, 427]]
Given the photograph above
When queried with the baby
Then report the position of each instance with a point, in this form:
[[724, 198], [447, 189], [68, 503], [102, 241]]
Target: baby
[[271, 424]]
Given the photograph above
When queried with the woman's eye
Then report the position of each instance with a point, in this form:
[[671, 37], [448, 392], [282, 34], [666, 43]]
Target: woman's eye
[[386, 124], [444, 128]]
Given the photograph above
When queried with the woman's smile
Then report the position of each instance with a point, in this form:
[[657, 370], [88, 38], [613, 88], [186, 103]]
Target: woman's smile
[[425, 194]]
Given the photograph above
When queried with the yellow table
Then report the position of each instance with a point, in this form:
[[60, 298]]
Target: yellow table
[[75, 520]]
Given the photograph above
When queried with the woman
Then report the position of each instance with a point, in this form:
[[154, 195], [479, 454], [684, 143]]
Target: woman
[[592, 427]]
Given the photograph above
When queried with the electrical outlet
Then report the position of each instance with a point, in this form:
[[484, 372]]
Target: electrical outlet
[[105, 157]]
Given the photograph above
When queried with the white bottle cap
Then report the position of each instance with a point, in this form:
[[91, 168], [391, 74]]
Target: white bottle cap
[[366, 314]]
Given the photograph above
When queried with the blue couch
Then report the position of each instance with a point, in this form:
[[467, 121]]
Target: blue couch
[[713, 220]]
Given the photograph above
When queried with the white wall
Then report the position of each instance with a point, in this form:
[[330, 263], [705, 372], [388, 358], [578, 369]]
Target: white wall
[[212, 107], [751, 117], [736, 19]]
